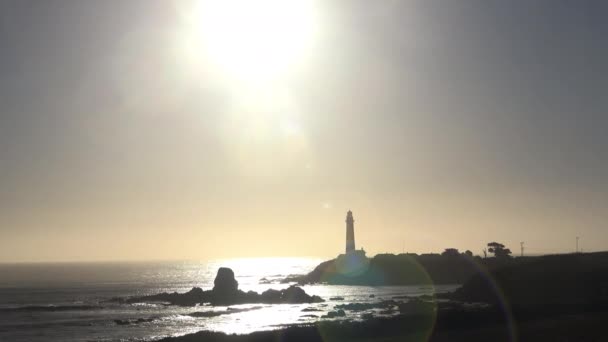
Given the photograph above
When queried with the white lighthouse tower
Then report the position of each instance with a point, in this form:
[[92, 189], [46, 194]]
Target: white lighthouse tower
[[353, 261], [350, 233]]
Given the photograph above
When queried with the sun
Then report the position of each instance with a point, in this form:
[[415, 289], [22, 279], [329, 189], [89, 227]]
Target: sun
[[255, 40]]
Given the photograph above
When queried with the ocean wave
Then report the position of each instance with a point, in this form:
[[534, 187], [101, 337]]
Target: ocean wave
[[51, 308], [213, 313], [135, 320]]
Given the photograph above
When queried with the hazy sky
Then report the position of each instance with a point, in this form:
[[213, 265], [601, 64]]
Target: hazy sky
[[439, 123]]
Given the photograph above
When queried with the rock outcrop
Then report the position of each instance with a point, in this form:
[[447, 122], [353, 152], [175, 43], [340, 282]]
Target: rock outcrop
[[192, 297], [225, 292], [225, 281], [225, 288], [389, 269]]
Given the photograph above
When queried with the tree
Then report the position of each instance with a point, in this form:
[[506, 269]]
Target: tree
[[468, 253], [499, 250], [450, 252]]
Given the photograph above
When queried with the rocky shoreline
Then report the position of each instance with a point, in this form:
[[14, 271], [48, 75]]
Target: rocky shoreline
[[225, 292], [520, 300], [563, 297]]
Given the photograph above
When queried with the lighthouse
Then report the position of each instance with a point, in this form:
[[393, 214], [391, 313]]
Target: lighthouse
[[350, 233], [353, 262]]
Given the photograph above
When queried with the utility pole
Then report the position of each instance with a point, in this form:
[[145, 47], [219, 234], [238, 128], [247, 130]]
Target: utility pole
[[577, 244], [521, 244]]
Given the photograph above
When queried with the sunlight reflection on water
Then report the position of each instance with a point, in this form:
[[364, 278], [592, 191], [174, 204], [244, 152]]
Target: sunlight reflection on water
[[91, 284]]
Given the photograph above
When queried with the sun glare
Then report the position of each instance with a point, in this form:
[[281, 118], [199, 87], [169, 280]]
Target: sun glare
[[255, 40]]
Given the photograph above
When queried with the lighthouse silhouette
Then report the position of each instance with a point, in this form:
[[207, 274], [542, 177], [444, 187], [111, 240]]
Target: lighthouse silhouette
[[353, 262], [350, 232]]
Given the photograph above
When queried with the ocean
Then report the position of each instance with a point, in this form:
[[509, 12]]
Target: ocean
[[67, 301]]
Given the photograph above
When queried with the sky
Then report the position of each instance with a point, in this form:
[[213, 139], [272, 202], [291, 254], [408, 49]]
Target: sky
[[136, 130]]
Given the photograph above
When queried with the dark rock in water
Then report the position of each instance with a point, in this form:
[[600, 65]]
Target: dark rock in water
[[207, 314], [118, 300], [226, 292], [133, 321], [367, 306], [367, 316], [271, 295], [311, 310], [427, 297], [357, 306], [228, 311], [265, 281], [292, 295], [295, 294], [144, 320], [190, 298], [334, 314], [122, 322], [416, 307], [401, 297], [224, 281], [372, 296], [336, 298]]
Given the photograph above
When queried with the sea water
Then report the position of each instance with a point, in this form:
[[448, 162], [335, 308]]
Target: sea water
[[67, 301]]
